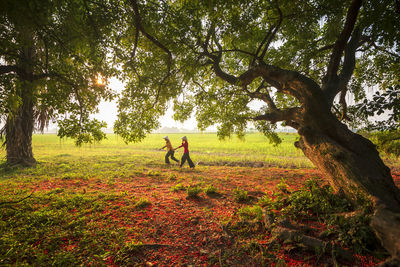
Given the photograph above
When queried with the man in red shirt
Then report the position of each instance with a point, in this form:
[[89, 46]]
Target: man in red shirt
[[185, 155]]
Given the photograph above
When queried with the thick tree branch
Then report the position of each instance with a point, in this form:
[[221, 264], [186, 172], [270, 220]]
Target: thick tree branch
[[287, 81], [223, 75], [341, 42], [349, 63], [343, 103], [210, 32], [262, 96]]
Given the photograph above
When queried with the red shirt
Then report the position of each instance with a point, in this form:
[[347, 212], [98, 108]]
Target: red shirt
[[185, 146]]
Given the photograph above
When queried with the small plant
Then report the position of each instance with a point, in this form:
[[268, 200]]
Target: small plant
[[283, 186], [153, 173], [211, 190], [178, 187], [265, 201], [142, 203], [193, 191], [126, 254], [240, 195], [316, 200], [354, 231], [172, 177], [253, 213]]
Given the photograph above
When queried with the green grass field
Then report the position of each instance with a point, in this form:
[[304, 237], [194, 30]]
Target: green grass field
[[204, 148]]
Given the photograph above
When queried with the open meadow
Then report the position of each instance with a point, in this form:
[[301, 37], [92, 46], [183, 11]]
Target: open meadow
[[112, 204]]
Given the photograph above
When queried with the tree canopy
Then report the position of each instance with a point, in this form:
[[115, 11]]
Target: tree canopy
[[57, 48], [196, 53]]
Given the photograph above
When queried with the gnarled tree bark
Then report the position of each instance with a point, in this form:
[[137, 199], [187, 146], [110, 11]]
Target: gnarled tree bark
[[19, 128], [20, 122], [353, 167]]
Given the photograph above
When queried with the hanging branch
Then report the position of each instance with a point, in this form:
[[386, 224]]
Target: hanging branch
[[272, 35], [341, 42], [139, 27]]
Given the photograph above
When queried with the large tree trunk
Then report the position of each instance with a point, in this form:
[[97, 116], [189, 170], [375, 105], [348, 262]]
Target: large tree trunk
[[20, 122], [19, 128], [353, 167]]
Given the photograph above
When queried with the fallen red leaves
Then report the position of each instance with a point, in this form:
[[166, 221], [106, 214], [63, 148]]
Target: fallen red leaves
[[188, 231]]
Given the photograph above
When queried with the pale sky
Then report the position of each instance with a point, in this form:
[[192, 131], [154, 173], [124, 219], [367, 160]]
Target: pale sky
[[108, 112]]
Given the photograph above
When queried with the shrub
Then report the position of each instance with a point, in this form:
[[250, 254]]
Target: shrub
[[251, 213], [387, 142], [126, 255], [172, 177], [193, 191], [265, 201], [313, 200], [316, 200], [210, 190], [178, 187], [240, 195], [283, 186], [353, 231], [141, 203]]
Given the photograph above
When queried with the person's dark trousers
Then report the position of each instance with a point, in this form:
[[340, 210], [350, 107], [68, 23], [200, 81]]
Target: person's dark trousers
[[170, 154], [186, 157]]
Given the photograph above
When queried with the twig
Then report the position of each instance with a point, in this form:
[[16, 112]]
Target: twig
[[17, 201]]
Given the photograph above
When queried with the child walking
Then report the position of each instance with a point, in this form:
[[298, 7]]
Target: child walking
[[170, 150], [185, 155]]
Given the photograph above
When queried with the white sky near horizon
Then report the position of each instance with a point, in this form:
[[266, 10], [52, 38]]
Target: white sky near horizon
[[108, 111]]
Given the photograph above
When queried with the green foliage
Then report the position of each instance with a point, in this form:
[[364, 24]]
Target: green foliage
[[240, 195], [265, 201], [353, 231], [315, 200], [142, 203], [82, 131], [153, 173], [387, 102], [210, 190], [127, 253], [350, 228], [193, 191], [253, 213], [178, 187], [387, 141], [200, 45], [283, 186], [60, 47], [268, 130], [172, 177]]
